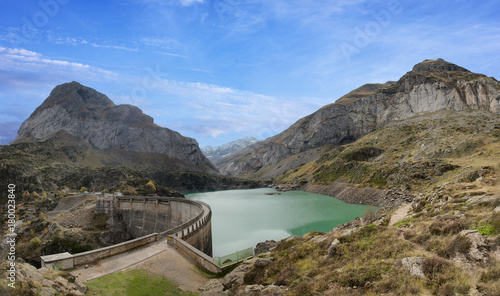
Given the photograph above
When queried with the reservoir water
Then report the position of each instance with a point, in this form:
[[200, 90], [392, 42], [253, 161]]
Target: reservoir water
[[242, 218]]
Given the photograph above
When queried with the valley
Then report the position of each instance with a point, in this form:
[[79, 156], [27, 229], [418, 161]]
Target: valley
[[425, 148]]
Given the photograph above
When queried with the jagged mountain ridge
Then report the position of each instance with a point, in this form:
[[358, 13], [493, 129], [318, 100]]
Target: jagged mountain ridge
[[92, 117], [214, 153], [431, 85]]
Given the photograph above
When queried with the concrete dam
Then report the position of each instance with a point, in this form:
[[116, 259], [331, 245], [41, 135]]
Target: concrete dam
[[186, 224], [147, 215]]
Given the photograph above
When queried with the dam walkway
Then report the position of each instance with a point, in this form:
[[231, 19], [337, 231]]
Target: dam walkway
[[158, 257]]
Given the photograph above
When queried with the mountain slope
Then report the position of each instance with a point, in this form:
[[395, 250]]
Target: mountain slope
[[431, 86]]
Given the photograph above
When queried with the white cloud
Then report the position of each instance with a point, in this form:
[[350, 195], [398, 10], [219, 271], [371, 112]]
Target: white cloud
[[19, 51], [213, 110], [114, 47], [17, 61], [190, 2]]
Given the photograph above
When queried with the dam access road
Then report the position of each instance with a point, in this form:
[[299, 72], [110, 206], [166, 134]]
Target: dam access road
[[158, 257]]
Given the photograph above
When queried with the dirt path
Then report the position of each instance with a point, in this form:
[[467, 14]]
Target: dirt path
[[399, 214]]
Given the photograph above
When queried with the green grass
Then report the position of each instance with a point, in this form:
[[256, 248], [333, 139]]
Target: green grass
[[134, 283], [405, 223]]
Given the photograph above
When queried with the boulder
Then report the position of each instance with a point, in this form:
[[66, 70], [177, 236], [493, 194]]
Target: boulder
[[478, 249], [236, 276], [264, 247], [262, 262], [332, 249], [414, 266], [212, 287]]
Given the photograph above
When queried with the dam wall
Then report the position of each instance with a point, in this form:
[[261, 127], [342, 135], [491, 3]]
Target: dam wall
[[146, 215]]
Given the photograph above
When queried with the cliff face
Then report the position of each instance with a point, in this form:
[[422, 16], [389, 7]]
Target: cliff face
[[94, 118], [431, 86]]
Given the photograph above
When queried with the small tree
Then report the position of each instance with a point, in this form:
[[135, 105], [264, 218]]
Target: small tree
[[105, 191], [83, 189], [149, 188]]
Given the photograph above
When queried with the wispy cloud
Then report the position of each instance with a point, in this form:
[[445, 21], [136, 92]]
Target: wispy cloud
[[190, 2], [215, 110], [13, 59], [22, 64], [165, 46], [166, 43], [114, 47]]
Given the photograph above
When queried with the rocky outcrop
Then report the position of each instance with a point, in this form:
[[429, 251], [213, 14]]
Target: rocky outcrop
[[431, 86], [43, 281], [92, 117], [218, 152], [264, 247]]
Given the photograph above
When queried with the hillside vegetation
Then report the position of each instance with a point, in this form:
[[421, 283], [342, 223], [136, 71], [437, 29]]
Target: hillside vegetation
[[415, 155]]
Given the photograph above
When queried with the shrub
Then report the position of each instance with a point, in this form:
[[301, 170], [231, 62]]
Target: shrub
[[34, 242], [485, 229], [363, 153], [460, 244]]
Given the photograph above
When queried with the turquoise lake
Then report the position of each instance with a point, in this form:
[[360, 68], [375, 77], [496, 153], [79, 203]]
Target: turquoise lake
[[242, 218]]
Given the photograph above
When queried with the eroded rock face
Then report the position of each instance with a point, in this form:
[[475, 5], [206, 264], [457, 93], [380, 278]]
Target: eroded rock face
[[93, 117], [46, 282], [433, 85]]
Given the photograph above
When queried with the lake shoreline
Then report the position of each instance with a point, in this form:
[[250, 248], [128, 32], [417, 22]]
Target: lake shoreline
[[243, 218], [355, 195]]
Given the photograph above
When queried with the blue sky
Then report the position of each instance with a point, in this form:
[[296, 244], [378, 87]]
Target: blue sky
[[224, 69]]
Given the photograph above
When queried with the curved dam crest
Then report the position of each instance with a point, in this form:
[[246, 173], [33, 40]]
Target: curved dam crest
[[147, 215]]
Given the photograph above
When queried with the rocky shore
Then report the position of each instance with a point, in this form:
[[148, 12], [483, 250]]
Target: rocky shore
[[354, 194]]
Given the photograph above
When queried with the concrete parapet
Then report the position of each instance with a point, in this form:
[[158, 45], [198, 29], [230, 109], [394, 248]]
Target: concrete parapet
[[61, 260], [94, 255], [201, 259], [67, 260]]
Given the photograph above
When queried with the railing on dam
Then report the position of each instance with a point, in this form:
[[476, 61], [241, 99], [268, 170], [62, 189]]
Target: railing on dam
[[233, 258], [183, 231]]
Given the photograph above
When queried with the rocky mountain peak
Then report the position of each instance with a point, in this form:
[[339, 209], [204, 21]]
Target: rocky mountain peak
[[91, 116], [438, 65], [218, 152], [431, 86], [75, 97]]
